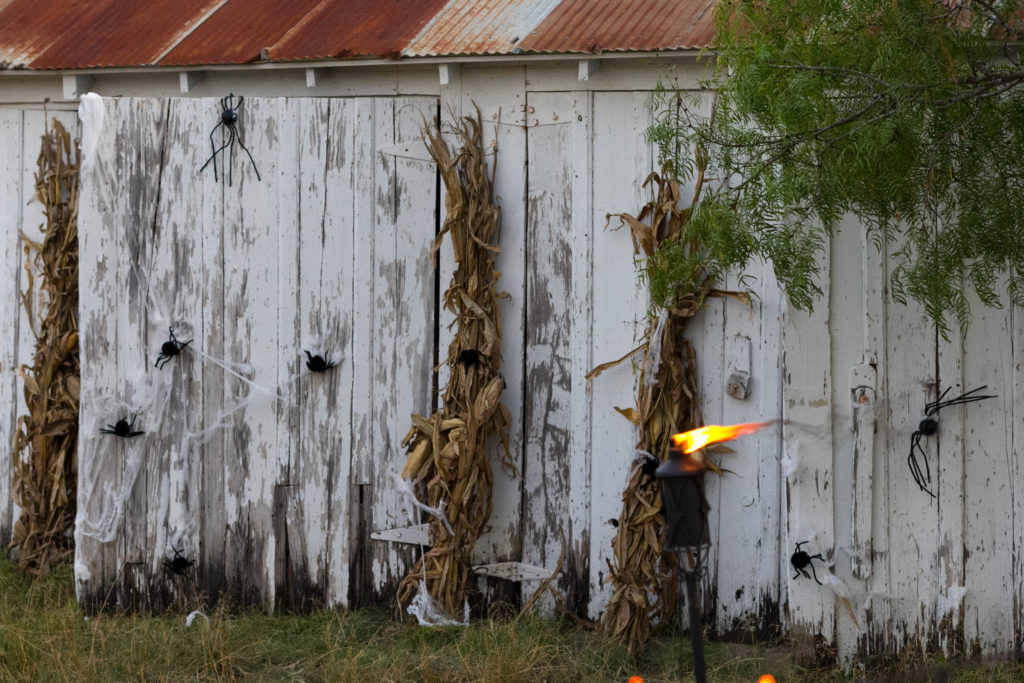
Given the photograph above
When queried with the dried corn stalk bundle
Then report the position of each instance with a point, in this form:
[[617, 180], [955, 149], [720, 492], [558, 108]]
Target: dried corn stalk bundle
[[643, 576], [448, 451], [46, 438]]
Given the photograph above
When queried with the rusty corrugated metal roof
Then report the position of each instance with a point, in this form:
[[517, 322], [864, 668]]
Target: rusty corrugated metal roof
[[69, 34], [607, 25], [357, 28], [481, 27], [238, 31], [80, 34]]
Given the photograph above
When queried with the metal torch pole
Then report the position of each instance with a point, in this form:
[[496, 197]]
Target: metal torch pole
[[696, 639]]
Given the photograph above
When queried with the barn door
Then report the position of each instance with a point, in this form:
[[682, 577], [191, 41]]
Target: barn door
[[265, 474], [908, 570]]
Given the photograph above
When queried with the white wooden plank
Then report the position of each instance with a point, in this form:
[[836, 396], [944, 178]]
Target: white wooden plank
[[11, 144], [581, 360], [404, 319], [298, 555], [336, 290], [987, 469], [1016, 386], [942, 604], [210, 445], [549, 383], [174, 301], [363, 342], [255, 465], [102, 271], [139, 389], [861, 517], [620, 163], [807, 463], [308, 321], [911, 373], [748, 497]]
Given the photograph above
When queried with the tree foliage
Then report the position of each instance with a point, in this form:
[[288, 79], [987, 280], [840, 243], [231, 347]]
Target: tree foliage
[[908, 114]]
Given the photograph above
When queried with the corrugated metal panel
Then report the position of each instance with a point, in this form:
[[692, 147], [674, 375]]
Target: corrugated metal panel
[[238, 31], [357, 28], [481, 27], [605, 25], [78, 34]]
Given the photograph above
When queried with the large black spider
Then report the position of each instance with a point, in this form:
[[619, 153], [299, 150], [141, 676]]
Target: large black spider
[[179, 564], [929, 426], [170, 348], [122, 428], [801, 560], [319, 363], [229, 119]]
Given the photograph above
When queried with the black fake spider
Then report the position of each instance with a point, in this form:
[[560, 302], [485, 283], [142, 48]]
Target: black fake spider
[[469, 358], [122, 428], [179, 564], [170, 348], [319, 363], [647, 468], [229, 119], [801, 560], [929, 426]]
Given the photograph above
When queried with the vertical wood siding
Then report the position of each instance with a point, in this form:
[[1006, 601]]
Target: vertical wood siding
[[247, 458], [277, 497]]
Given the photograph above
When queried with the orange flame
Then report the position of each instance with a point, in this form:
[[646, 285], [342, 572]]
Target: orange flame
[[695, 439]]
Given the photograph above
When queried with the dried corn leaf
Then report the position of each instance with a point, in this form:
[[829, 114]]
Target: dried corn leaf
[[642, 575], [448, 451], [46, 438]]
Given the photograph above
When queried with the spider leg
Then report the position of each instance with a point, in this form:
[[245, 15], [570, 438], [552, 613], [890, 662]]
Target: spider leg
[[216, 151], [159, 358], [246, 150], [231, 152], [933, 407], [915, 468], [797, 574], [107, 431], [963, 398], [131, 434], [815, 574]]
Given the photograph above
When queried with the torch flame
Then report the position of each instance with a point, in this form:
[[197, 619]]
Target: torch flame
[[695, 439]]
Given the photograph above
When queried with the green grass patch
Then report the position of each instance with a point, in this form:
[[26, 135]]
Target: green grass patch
[[43, 637]]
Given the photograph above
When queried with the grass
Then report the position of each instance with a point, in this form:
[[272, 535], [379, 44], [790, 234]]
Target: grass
[[43, 637]]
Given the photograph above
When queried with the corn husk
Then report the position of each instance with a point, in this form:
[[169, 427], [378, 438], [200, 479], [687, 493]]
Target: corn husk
[[447, 452], [45, 439], [643, 576]]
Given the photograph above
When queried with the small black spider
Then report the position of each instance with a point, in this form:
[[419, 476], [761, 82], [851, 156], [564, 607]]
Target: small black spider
[[469, 358], [122, 428], [647, 468], [319, 363], [229, 119], [614, 522], [179, 564], [170, 348], [929, 426], [801, 560]]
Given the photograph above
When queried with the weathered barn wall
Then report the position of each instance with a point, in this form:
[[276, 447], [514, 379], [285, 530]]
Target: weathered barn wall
[[21, 129], [278, 504], [276, 500]]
